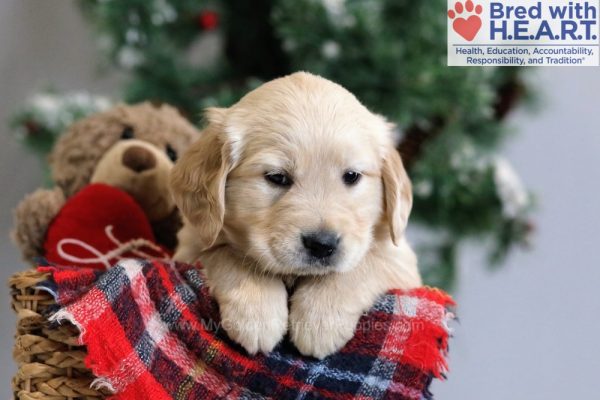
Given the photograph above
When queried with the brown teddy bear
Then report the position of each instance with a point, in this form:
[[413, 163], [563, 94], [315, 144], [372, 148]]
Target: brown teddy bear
[[129, 147]]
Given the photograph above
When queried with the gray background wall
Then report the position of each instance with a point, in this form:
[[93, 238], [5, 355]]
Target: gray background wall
[[529, 331]]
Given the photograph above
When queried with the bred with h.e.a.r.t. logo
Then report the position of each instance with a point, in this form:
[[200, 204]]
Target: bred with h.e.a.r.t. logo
[[576, 21], [521, 32]]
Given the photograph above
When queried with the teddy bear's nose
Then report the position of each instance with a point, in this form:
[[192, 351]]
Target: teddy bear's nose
[[138, 159]]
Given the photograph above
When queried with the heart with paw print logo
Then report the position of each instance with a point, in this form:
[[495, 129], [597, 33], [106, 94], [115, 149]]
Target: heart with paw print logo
[[466, 19]]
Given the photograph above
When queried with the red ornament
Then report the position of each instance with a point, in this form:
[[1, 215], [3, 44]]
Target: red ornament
[[32, 127], [208, 20]]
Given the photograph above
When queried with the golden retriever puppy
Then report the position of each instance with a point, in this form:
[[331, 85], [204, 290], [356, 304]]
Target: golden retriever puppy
[[296, 185]]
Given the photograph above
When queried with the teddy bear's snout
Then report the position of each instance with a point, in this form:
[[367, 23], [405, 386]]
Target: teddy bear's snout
[[138, 159]]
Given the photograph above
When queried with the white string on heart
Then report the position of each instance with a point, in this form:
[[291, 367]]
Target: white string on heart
[[135, 246]]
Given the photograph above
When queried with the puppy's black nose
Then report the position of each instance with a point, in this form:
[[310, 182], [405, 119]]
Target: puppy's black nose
[[321, 244]]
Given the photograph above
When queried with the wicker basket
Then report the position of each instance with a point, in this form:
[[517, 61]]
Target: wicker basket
[[50, 360]]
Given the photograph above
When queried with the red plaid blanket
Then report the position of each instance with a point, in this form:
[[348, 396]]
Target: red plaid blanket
[[152, 332]]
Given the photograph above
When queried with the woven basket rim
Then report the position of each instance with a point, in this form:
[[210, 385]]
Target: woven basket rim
[[50, 361]]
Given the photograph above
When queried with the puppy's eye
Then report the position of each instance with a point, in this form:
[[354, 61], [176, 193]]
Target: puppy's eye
[[351, 177], [279, 179], [127, 133], [171, 153]]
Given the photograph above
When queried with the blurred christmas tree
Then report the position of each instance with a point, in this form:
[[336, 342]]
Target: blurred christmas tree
[[390, 53]]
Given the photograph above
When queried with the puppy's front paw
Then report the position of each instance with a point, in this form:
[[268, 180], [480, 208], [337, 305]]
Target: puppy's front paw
[[320, 328], [259, 322]]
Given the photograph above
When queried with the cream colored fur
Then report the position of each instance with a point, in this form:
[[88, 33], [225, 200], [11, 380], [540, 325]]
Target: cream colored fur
[[247, 231]]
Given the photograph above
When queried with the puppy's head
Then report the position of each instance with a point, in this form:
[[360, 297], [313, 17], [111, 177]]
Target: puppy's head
[[297, 175]]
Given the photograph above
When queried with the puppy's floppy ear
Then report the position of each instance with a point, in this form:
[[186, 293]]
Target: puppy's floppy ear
[[198, 179], [397, 193]]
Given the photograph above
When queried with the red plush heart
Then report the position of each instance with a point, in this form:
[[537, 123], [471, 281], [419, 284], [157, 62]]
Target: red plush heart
[[467, 28], [98, 226]]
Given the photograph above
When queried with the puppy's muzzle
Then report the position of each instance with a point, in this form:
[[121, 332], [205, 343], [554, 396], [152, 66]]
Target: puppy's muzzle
[[321, 245]]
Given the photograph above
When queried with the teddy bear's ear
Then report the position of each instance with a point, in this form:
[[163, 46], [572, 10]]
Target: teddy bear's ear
[[77, 151], [198, 179]]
